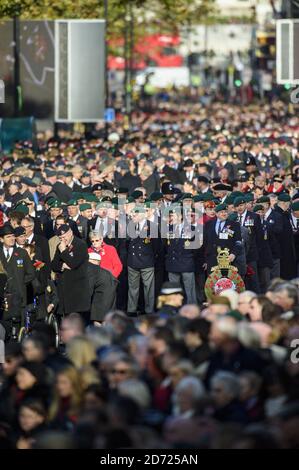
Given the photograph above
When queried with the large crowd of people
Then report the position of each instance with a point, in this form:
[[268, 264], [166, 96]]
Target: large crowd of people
[[111, 339]]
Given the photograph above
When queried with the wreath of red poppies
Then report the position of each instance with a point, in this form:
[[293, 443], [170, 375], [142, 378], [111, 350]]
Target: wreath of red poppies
[[233, 276]]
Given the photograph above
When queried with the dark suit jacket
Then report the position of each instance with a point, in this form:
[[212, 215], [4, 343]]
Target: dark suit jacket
[[274, 227], [63, 191], [211, 241], [73, 286], [49, 228], [102, 291], [20, 273]]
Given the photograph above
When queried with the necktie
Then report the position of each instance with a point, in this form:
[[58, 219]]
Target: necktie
[[101, 227], [219, 227], [7, 255]]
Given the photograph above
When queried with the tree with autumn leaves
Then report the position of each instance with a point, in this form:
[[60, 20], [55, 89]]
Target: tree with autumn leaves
[[150, 15]]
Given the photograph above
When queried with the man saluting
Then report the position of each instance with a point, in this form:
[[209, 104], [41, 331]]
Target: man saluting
[[70, 262]]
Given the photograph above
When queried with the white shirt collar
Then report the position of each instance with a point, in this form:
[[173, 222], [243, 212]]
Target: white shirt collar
[[29, 239], [267, 214]]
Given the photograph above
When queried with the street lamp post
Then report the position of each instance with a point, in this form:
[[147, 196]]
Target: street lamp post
[[16, 49]]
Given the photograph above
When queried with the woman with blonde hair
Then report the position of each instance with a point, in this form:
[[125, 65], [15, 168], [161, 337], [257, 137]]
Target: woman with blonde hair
[[81, 351], [68, 397]]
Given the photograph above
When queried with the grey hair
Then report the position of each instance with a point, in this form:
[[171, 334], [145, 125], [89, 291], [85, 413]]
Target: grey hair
[[229, 381], [191, 383], [248, 336], [100, 337], [137, 390]]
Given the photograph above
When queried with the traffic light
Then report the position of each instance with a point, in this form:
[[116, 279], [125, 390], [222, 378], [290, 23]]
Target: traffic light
[[237, 78], [265, 50]]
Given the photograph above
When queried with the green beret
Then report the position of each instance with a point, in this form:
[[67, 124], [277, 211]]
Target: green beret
[[156, 196], [207, 197], [258, 207], [239, 200], [235, 314], [230, 200], [78, 196], [284, 197], [148, 204], [22, 208], [72, 202], [198, 198], [129, 200], [235, 194], [90, 197], [84, 207], [56, 204], [186, 196], [137, 194], [221, 207], [263, 199], [295, 206], [249, 197]]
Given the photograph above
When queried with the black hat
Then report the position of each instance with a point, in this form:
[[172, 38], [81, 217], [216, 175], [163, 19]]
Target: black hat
[[188, 162], [202, 179], [122, 190], [222, 187], [20, 231], [7, 229], [250, 160], [62, 229], [97, 187], [169, 288], [168, 188]]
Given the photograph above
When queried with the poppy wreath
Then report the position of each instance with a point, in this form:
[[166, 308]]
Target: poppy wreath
[[216, 280]]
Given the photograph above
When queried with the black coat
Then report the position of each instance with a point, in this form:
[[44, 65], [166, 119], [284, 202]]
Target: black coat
[[151, 184], [265, 259], [253, 224], [102, 292], [128, 181], [49, 228], [172, 174], [287, 247], [82, 225], [179, 258], [63, 191], [73, 286], [211, 241], [240, 360], [42, 250], [143, 250], [274, 226], [20, 273]]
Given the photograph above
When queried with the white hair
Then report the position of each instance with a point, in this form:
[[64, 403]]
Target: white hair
[[136, 390], [227, 326], [247, 294], [191, 383], [229, 381], [248, 336], [232, 296]]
